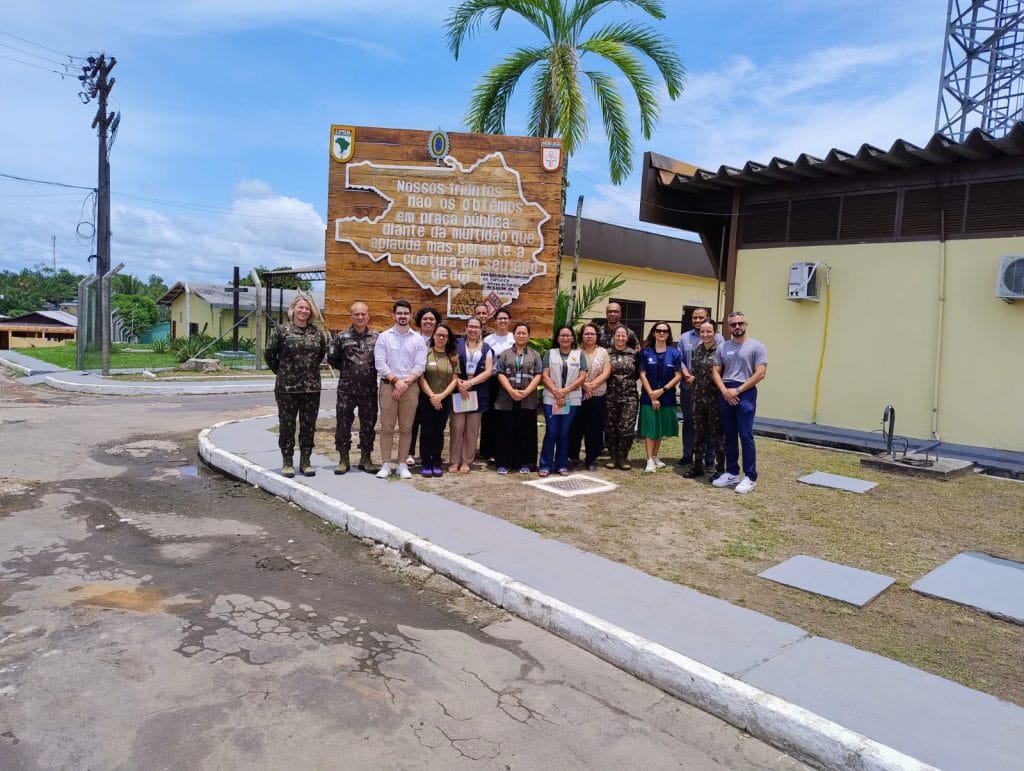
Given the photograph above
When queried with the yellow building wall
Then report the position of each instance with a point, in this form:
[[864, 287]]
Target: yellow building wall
[[884, 338], [200, 312], [665, 293]]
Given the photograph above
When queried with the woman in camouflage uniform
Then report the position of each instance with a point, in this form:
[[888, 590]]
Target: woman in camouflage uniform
[[707, 417], [622, 401], [294, 352]]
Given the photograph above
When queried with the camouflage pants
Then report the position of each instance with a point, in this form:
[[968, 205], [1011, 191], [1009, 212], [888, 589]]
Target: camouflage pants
[[306, 407], [352, 397], [620, 422]]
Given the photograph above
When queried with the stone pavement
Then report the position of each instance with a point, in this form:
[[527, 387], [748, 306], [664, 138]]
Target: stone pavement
[[823, 701]]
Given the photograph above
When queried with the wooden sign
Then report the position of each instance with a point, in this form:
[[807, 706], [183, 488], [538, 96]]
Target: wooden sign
[[448, 220]]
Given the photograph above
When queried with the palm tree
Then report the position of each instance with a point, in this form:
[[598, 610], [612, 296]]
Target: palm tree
[[558, 106]]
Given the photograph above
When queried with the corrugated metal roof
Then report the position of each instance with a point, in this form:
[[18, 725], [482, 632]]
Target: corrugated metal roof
[[220, 296], [41, 317], [940, 150]]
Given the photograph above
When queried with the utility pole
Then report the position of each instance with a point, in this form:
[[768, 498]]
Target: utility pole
[[97, 85]]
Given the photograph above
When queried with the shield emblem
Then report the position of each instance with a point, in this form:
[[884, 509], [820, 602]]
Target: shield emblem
[[551, 156], [343, 143]]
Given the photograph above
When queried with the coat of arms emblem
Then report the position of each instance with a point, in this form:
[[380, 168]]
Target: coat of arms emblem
[[551, 156], [343, 143]]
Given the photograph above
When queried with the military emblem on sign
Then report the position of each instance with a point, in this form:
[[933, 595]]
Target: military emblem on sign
[[343, 143], [438, 146], [551, 156]]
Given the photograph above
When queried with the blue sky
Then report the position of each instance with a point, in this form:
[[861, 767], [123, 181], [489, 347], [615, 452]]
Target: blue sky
[[221, 157]]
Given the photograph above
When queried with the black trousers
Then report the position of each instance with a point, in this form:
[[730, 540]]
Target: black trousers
[[588, 427], [306, 407], [517, 428], [489, 424], [432, 424]]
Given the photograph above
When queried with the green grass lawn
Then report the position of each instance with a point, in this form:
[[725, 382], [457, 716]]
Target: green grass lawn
[[65, 355]]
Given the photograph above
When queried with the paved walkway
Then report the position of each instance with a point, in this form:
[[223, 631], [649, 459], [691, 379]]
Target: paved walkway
[[37, 371], [821, 700]]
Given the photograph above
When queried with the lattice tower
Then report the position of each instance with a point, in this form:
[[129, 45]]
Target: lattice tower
[[982, 84]]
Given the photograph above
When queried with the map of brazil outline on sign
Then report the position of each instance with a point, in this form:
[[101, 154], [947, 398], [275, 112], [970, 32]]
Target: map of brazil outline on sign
[[458, 228]]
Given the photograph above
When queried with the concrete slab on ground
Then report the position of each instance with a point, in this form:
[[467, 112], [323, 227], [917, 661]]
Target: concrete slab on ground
[[830, 579], [990, 584], [919, 465], [849, 484]]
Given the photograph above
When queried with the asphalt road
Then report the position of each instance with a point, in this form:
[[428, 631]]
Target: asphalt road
[[154, 614]]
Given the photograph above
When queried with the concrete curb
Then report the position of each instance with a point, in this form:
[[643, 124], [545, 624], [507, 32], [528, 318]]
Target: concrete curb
[[20, 369], [793, 729], [142, 389]]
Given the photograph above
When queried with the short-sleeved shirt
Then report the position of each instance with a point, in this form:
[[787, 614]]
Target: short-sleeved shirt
[[439, 371], [739, 360], [660, 368], [520, 369], [595, 366]]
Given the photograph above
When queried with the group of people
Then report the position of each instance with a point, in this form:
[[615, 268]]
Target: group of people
[[599, 390]]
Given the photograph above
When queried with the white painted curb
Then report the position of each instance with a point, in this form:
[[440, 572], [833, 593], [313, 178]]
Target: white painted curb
[[798, 731], [19, 368]]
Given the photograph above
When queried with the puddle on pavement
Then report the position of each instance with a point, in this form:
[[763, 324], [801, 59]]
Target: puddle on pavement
[[189, 471], [124, 598]]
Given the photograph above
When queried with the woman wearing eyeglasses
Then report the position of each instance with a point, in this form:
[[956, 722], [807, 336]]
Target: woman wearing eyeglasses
[[519, 372], [563, 373], [439, 379], [660, 372], [588, 424]]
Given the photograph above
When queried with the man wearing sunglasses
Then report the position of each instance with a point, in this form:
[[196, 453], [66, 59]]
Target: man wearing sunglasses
[[740, 364]]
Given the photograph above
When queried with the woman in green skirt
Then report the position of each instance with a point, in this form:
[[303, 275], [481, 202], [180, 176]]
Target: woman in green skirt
[[660, 371]]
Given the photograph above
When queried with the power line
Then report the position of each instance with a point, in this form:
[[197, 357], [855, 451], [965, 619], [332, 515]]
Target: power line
[[35, 56], [37, 66], [38, 45], [43, 182], [200, 207]]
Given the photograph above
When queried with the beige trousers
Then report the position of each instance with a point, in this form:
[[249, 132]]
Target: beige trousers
[[465, 429], [400, 413]]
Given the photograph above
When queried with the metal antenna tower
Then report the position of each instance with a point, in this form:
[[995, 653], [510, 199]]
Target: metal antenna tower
[[982, 83]]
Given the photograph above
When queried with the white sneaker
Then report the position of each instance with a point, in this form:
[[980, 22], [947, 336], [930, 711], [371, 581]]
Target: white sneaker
[[403, 471], [658, 463], [651, 467], [746, 485], [726, 480], [410, 461], [385, 471]]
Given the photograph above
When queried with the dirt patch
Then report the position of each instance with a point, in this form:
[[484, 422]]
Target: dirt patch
[[716, 542], [124, 598]]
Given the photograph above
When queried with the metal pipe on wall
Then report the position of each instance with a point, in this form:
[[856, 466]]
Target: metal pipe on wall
[[939, 324]]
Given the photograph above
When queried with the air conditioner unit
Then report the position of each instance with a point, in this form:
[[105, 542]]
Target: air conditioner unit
[[1010, 278], [803, 281]]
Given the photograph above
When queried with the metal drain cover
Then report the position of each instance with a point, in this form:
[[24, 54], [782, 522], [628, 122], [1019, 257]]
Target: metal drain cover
[[575, 484]]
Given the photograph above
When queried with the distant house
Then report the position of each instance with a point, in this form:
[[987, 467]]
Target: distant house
[[208, 308], [39, 329]]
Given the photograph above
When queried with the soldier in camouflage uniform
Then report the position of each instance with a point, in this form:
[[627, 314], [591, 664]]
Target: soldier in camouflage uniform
[[613, 320], [622, 402], [707, 416], [352, 355], [294, 352]]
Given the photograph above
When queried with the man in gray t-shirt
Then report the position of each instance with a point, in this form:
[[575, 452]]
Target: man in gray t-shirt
[[740, 364]]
